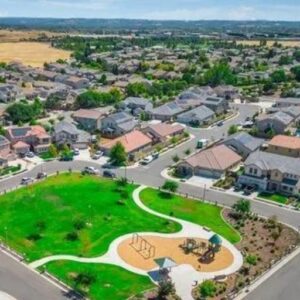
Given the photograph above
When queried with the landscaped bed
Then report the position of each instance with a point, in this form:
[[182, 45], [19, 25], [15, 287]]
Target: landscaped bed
[[264, 242], [72, 214], [198, 212]]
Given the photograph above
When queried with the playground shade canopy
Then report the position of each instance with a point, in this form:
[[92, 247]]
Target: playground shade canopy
[[165, 262], [215, 240]]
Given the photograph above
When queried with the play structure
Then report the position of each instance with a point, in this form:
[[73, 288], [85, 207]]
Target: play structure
[[205, 252], [142, 246]]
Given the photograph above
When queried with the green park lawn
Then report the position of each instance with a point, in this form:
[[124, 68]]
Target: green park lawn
[[103, 281], [274, 197], [72, 214], [201, 213]]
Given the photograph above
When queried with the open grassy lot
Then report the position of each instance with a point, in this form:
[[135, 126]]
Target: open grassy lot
[[31, 53], [72, 214], [194, 211], [99, 281], [274, 197], [270, 43]]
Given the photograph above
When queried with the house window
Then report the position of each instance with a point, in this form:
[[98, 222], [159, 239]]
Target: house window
[[251, 170], [255, 171]]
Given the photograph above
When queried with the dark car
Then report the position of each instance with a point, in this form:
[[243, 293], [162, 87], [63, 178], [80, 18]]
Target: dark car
[[110, 174], [221, 123], [41, 175], [248, 190]]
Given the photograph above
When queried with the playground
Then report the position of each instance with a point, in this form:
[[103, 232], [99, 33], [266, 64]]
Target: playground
[[141, 252]]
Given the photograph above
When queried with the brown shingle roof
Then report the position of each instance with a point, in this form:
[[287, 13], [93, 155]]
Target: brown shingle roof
[[164, 129], [87, 113], [216, 158]]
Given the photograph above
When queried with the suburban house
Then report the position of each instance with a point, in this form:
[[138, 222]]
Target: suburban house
[[89, 119], [278, 123], [285, 145], [24, 139], [73, 81], [285, 102], [118, 124], [166, 112], [218, 104], [162, 132], [229, 92], [243, 143], [134, 142], [4, 147], [8, 92], [272, 172], [213, 162], [198, 116], [136, 105], [67, 133]]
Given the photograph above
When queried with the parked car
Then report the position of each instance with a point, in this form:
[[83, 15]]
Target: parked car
[[41, 175], [29, 154], [220, 123], [76, 151], [147, 160], [108, 166], [248, 190], [91, 171], [155, 155], [97, 155], [110, 174], [26, 180]]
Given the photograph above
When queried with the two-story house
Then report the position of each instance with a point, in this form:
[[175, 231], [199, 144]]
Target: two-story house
[[272, 172], [89, 119], [285, 145]]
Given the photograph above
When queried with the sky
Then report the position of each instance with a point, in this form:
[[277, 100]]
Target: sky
[[155, 9]]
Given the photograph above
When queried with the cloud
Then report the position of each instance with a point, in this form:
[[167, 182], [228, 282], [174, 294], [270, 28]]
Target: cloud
[[86, 5]]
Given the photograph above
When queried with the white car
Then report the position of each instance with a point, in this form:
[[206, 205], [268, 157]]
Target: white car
[[26, 180], [97, 155], [147, 160], [29, 154], [91, 171], [76, 151]]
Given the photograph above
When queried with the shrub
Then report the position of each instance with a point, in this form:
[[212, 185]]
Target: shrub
[[72, 236]]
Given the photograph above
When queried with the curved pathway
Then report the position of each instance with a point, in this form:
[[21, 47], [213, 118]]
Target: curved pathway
[[183, 276], [5, 296]]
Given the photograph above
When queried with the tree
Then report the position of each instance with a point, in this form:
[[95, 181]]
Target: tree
[[118, 154], [165, 289], [207, 289], [242, 206], [176, 158], [220, 74], [232, 129], [279, 76], [170, 185], [296, 72], [53, 150]]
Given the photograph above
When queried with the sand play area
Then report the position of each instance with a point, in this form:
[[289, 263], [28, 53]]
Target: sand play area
[[171, 247]]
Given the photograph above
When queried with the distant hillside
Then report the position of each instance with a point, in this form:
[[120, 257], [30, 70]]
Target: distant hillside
[[245, 28]]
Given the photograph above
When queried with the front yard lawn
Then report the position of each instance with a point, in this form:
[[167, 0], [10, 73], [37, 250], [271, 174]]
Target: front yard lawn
[[100, 281], [274, 197], [72, 214], [204, 214]]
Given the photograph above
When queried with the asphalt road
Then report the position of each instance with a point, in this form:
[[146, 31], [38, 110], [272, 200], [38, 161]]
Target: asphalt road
[[23, 284], [151, 175]]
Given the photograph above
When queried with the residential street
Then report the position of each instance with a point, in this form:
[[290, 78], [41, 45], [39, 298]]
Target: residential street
[[23, 284]]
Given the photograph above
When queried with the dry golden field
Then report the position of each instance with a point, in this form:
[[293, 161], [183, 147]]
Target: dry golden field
[[22, 35], [269, 43], [31, 53]]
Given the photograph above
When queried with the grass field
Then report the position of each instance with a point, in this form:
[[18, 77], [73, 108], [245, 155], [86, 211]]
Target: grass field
[[72, 214], [190, 210], [106, 281], [31, 53], [274, 197]]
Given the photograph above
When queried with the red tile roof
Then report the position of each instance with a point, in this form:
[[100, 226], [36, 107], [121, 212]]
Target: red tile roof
[[164, 129], [284, 141], [131, 141]]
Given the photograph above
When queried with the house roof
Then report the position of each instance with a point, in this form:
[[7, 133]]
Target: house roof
[[65, 126], [269, 161], [168, 109], [20, 145], [290, 142], [164, 129], [200, 113], [4, 140], [131, 141], [246, 140], [36, 130], [121, 117], [280, 116], [87, 114], [217, 158]]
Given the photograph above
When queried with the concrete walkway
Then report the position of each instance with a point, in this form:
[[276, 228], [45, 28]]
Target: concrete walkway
[[183, 276], [4, 296]]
